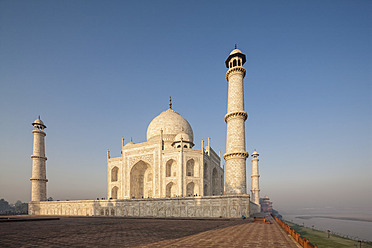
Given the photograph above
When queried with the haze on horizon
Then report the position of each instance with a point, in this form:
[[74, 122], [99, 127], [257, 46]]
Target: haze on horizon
[[97, 71]]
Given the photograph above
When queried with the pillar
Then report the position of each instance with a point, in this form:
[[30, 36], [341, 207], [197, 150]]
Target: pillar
[[235, 118], [255, 179], [38, 179]]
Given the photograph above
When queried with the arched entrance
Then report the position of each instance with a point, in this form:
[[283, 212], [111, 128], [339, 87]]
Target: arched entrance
[[139, 185], [171, 168], [190, 189], [114, 192], [170, 190], [190, 168], [114, 174]]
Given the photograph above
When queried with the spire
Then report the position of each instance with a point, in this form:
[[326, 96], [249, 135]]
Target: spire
[[170, 102], [235, 45]]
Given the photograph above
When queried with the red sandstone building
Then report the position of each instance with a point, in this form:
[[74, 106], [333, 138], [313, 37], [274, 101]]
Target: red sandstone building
[[266, 205]]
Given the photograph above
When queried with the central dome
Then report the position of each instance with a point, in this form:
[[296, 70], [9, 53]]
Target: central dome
[[171, 123]]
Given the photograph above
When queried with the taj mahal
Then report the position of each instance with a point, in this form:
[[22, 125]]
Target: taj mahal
[[166, 165], [165, 176]]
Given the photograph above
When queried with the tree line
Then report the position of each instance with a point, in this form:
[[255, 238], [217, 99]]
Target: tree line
[[10, 209]]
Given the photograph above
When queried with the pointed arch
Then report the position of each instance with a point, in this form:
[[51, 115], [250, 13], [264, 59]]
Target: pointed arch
[[114, 174], [170, 190], [139, 179], [190, 189], [190, 167], [114, 192], [171, 168]]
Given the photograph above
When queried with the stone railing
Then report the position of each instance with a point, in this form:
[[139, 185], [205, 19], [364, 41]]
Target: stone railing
[[301, 240], [224, 206]]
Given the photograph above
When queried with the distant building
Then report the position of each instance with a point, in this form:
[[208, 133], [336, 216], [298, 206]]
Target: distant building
[[266, 205]]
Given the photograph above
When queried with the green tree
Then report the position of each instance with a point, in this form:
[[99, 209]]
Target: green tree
[[21, 207], [5, 208]]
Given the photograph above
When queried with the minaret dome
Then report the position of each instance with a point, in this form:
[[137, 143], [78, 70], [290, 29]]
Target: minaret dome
[[236, 58]]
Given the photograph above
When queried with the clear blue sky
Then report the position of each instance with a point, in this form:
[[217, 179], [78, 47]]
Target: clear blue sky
[[97, 71]]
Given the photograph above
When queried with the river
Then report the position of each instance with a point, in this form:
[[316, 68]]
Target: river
[[354, 228]]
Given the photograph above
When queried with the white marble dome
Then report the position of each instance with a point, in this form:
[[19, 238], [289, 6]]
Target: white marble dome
[[171, 122]]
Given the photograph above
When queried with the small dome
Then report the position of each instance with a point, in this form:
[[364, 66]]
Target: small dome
[[129, 143], [235, 51], [171, 122], [182, 135], [38, 121]]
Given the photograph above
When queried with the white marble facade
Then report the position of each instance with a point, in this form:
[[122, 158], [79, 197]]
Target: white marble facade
[[166, 165], [225, 206]]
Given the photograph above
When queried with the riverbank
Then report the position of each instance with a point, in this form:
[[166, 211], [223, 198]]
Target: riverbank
[[349, 226], [321, 239], [307, 217]]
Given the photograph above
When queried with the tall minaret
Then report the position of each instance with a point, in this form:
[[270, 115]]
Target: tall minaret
[[255, 178], [235, 156], [38, 179]]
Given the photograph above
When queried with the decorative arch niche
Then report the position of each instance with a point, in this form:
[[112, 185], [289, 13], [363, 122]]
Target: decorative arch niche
[[114, 192], [190, 189], [190, 168], [170, 190], [140, 184], [171, 168], [114, 174]]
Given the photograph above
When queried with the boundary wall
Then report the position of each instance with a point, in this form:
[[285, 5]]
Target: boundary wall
[[301, 240], [224, 206]]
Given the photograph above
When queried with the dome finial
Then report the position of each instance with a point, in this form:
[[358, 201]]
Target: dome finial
[[235, 45], [170, 102]]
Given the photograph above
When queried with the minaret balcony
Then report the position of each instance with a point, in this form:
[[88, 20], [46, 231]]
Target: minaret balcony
[[240, 114]]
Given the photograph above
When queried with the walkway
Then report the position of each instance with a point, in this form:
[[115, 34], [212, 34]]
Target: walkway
[[125, 232]]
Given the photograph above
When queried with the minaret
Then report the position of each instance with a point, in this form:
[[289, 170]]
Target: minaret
[[235, 156], [38, 180], [255, 178]]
